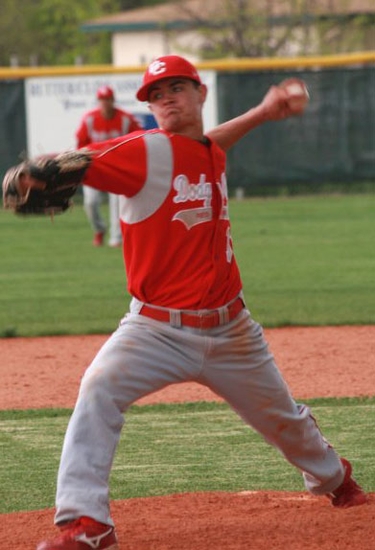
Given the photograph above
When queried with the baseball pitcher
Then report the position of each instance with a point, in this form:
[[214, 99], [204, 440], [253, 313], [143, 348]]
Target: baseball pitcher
[[188, 320]]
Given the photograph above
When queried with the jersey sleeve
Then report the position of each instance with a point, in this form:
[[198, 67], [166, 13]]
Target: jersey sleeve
[[119, 165]]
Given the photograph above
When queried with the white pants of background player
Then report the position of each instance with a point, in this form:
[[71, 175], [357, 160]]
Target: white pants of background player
[[92, 200], [143, 356]]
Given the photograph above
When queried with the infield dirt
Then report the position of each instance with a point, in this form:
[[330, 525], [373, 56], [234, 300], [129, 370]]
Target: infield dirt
[[316, 362]]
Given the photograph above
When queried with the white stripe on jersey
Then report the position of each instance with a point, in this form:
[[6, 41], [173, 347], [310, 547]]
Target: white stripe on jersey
[[157, 184]]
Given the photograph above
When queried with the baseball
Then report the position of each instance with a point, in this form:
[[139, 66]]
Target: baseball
[[298, 96]]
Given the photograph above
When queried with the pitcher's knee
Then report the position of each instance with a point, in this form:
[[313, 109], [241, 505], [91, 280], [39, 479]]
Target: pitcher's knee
[[95, 383]]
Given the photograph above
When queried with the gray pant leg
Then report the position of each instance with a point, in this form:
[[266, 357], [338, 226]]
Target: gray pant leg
[[241, 369], [141, 357], [92, 199], [115, 236]]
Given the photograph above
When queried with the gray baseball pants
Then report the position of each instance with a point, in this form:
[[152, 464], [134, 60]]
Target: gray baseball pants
[[143, 356], [92, 200]]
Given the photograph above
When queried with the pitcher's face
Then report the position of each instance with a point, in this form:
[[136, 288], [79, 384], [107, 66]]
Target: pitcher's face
[[177, 105]]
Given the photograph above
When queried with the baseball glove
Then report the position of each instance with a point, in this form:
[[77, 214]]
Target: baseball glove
[[45, 185]]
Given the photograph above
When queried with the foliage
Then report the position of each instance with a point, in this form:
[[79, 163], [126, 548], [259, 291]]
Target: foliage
[[242, 28], [248, 28], [346, 34], [134, 4], [48, 31]]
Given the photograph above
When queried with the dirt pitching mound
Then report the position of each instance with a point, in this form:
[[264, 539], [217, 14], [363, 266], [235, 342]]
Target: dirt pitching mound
[[316, 362]]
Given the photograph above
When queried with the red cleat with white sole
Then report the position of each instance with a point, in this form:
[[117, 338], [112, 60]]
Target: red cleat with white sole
[[349, 493], [83, 534]]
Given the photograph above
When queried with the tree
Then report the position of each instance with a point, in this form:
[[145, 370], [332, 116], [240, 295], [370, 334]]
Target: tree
[[254, 28], [134, 4], [47, 32], [244, 28]]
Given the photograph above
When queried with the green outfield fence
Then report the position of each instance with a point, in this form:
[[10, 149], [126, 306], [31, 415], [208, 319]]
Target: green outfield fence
[[12, 122], [333, 142]]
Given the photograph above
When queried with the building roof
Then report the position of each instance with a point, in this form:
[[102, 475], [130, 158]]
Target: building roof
[[171, 14], [178, 13]]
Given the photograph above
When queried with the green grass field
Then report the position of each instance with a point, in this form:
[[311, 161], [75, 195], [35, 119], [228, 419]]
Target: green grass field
[[176, 448], [304, 261]]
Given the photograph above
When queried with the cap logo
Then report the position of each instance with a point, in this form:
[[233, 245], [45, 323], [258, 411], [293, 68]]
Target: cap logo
[[157, 67]]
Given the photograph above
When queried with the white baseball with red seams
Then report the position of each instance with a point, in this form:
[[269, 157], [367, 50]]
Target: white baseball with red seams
[[298, 95]]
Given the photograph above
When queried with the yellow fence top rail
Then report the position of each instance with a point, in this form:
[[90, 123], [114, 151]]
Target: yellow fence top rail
[[225, 65]]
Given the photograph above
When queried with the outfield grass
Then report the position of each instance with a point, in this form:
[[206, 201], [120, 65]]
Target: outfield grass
[[54, 282], [304, 261], [308, 260], [176, 448]]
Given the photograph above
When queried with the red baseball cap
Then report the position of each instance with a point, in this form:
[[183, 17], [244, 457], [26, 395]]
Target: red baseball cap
[[166, 66], [105, 92]]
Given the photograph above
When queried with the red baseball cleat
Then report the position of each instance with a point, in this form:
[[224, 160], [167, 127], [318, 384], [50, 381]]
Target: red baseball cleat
[[349, 493], [98, 239], [83, 534]]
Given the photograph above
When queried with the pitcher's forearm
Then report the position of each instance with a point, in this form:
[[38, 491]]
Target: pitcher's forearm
[[229, 133], [287, 99]]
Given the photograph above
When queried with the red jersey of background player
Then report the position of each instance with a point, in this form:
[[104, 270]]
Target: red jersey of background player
[[94, 127], [186, 207]]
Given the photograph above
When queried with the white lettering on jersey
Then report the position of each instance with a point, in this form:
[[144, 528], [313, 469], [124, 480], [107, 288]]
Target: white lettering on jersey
[[202, 190], [194, 216], [192, 192], [223, 188], [229, 249], [157, 187], [187, 191]]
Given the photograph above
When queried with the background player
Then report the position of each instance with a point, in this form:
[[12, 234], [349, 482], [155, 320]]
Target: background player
[[100, 124], [188, 320]]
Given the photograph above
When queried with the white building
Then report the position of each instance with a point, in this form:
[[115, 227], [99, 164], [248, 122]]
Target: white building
[[140, 35]]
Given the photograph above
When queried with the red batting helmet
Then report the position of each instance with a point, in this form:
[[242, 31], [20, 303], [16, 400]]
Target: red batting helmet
[[165, 67]]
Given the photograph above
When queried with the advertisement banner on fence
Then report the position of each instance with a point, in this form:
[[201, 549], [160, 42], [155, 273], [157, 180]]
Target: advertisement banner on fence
[[56, 104]]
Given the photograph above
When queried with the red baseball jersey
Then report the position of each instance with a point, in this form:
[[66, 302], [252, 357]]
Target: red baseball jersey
[[94, 127], [174, 217]]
